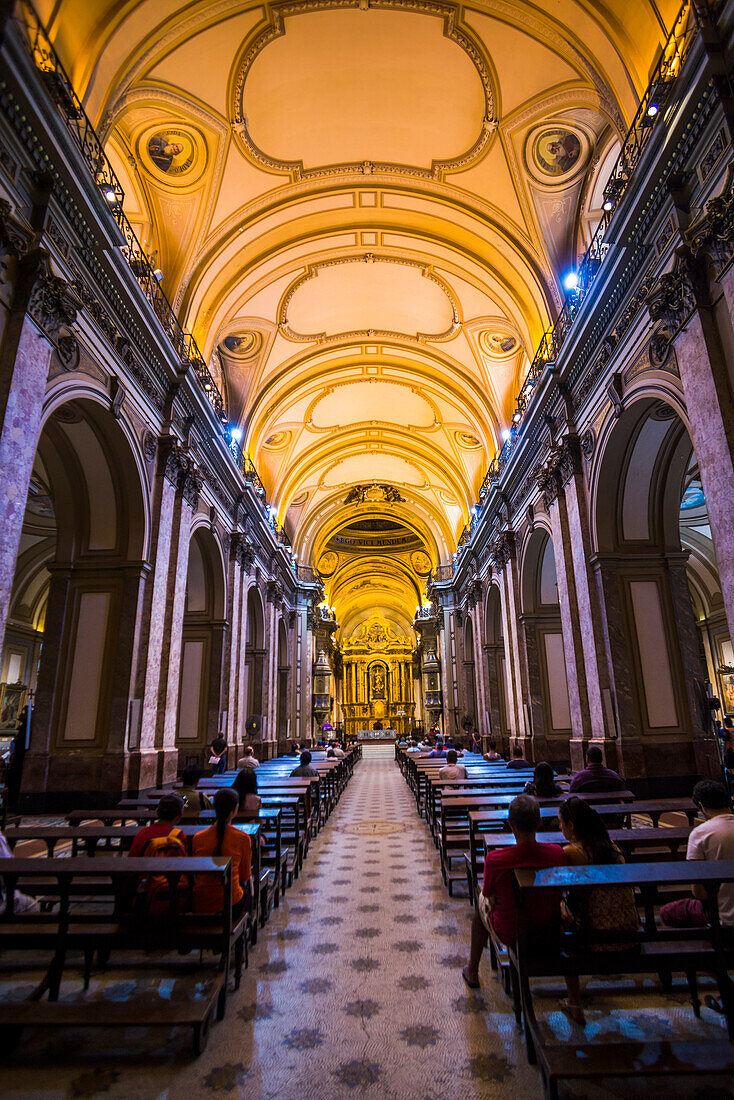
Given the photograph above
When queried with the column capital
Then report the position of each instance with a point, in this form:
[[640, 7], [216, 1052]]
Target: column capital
[[51, 303], [504, 550]]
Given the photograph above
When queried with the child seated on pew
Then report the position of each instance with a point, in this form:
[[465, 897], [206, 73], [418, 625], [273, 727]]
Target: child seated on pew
[[245, 784], [606, 909], [543, 783], [223, 839]]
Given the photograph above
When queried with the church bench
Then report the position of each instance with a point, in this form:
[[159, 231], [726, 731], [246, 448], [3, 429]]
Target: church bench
[[660, 951], [93, 927]]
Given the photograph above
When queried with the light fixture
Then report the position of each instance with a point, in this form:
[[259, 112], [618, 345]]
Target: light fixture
[[653, 109], [236, 434], [207, 386], [571, 280], [608, 205], [517, 417], [158, 274], [506, 434], [108, 192]]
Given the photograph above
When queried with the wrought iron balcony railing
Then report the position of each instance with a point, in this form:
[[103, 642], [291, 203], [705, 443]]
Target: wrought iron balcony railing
[[690, 20]]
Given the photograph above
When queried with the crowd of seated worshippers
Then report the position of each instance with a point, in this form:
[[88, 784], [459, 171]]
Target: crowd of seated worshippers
[[606, 909]]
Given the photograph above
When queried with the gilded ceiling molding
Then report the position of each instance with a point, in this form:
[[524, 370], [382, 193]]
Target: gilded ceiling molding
[[368, 334], [370, 379], [276, 28]]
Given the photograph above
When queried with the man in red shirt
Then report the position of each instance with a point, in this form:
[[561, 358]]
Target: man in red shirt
[[168, 814], [499, 866]]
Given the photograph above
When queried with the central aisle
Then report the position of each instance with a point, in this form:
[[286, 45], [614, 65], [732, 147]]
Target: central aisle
[[355, 985]]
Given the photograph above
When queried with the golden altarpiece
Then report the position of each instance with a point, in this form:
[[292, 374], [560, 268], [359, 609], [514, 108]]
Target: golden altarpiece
[[378, 678]]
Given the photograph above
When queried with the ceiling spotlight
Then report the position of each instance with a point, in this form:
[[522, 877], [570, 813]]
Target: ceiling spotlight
[[517, 417], [505, 434], [653, 109], [207, 386], [571, 280], [608, 205], [109, 193], [236, 434]]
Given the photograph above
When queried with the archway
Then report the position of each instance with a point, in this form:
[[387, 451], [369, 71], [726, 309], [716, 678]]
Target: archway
[[74, 607], [470, 690], [548, 704], [284, 669], [199, 697], [255, 657], [657, 572], [496, 668]]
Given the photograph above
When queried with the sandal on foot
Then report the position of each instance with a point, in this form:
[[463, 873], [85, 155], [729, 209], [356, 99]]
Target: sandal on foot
[[576, 1012], [472, 985]]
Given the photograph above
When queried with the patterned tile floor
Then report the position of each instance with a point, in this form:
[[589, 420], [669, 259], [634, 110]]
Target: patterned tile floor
[[353, 989]]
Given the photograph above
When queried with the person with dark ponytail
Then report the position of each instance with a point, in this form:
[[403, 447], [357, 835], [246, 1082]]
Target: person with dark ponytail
[[223, 839], [604, 909]]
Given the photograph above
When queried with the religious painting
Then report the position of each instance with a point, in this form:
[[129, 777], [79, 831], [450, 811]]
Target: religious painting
[[327, 563], [727, 688], [242, 345], [421, 563], [12, 700], [173, 153], [555, 153]]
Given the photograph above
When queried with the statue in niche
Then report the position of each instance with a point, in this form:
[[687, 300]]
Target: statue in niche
[[378, 682]]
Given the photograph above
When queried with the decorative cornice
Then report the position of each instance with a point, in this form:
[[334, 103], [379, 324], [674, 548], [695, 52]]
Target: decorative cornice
[[670, 301], [180, 470], [14, 239], [242, 551], [562, 463]]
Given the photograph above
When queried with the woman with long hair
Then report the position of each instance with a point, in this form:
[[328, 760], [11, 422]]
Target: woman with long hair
[[543, 783], [245, 786], [223, 839], [604, 909]]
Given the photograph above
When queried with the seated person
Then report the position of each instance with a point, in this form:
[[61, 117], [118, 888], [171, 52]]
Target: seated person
[[439, 750], [497, 888], [714, 839], [22, 903], [518, 759], [543, 783], [305, 771], [338, 750], [413, 747], [223, 839], [595, 777], [168, 814], [452, 770], [194, 801], [606, 909], [492, 755], [248, 758], [245, 784]]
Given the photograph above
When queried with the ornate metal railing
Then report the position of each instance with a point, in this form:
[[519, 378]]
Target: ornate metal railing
[[691, 17], [60, 90]]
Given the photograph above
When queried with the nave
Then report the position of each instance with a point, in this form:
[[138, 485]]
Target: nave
[[354, 988]]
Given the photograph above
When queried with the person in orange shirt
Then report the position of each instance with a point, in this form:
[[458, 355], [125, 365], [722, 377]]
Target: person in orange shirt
[[222, 839]]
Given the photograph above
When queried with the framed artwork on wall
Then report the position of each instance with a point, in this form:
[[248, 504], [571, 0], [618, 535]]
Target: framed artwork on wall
[[727, 689], [13, 698]]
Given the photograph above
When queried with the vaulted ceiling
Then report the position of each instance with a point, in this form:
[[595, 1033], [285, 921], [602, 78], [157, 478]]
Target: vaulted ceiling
[[363, 209]]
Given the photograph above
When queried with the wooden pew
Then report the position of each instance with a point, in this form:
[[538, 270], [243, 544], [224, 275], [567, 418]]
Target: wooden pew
[[659, 950], [95, 928]]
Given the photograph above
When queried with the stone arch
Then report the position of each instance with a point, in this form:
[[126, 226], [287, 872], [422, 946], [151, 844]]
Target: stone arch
[[469, 677], [654, 568], [202, 646], [77, 590], [284, 670], [540, 622], [255, 652], [496, 666]]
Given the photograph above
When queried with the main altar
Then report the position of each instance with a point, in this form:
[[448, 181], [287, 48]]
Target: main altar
[[378, 680]]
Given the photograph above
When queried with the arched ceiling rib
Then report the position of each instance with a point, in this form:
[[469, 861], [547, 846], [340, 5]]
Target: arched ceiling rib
[[368, 248]]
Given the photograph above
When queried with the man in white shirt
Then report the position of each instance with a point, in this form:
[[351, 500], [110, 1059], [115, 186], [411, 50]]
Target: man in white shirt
[[710, 841], [452, 770], [248, 759]]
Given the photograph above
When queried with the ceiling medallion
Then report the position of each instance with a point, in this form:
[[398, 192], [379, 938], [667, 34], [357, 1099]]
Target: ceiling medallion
[[498, 344], [280, 12], [421, 563], [327, 563], [278, 440], [557, 152], [466, 440], [173, 154], [373, 494], [241, 345]]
